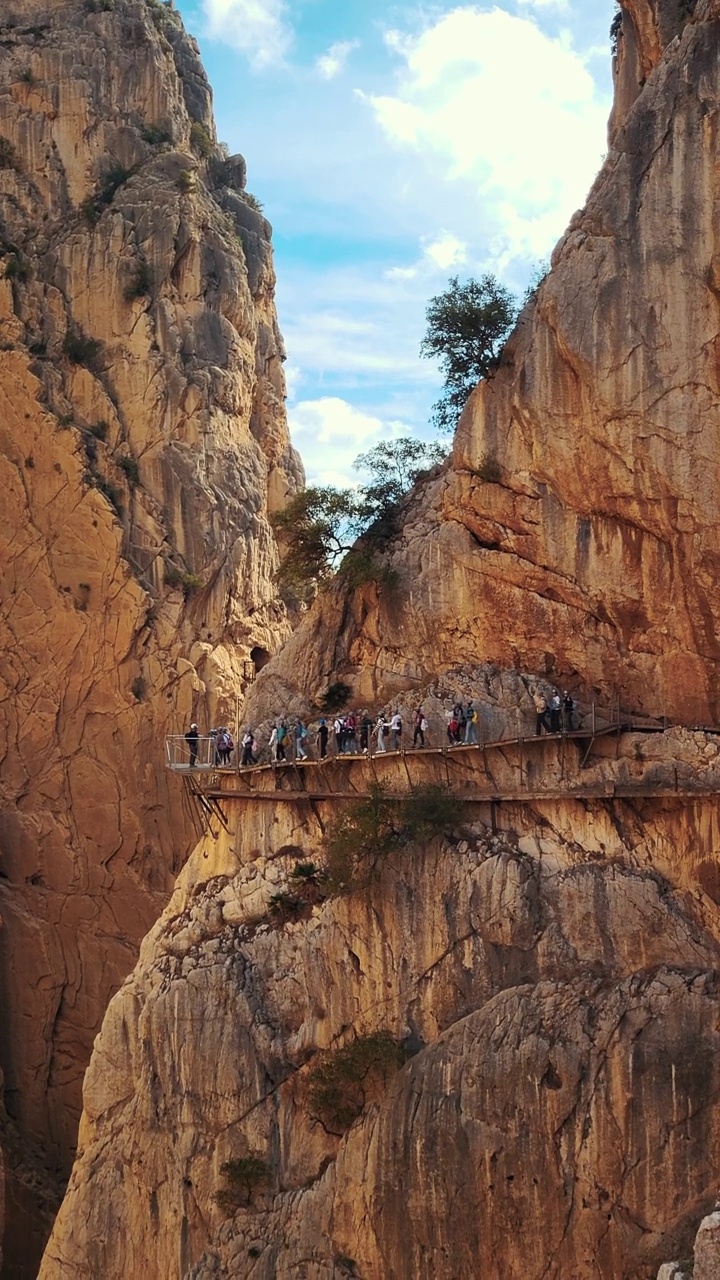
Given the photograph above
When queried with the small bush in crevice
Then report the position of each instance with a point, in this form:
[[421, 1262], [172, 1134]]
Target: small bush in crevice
[[490, 470], [343, 1082], [8, 154], [174, 577], [140, 284], [187, 180], [130, 470], [17, 268], [138, 688], [79, 349], [113, 179], [284, 907], [336, 696], [244, 1177], [356, 847], [155, 135], [252, 201], [106, 489], [200, 141], [99, 430]]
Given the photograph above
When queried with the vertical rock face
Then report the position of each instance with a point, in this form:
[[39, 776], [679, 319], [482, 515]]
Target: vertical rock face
[[575, 531], [558, 1000], [143, 442], [645, 29]]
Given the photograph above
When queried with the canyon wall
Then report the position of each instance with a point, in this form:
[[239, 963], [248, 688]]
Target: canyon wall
[[549, 964], [553, 983], [573, 533], [143, 442]]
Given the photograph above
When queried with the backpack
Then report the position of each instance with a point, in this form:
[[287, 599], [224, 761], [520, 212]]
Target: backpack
[[304, 734], [473, 717], [281, 733], [423, 724], [386, 730]]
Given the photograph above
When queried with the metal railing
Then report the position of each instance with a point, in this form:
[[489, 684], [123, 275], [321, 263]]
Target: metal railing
[[519, 727]]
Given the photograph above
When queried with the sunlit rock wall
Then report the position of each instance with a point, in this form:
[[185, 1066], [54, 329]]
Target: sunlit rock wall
[[142, 443]]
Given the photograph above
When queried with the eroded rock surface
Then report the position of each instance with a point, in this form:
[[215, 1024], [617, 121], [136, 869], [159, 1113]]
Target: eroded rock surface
[[555, 1117], [142, 444], [574, 533]]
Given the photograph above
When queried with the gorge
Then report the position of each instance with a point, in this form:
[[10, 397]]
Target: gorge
[[546, 963]]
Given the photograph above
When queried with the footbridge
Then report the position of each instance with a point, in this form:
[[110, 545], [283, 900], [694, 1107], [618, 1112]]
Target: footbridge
[[594, 762]]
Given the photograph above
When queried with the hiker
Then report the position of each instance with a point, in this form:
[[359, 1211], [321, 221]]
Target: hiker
[[339, 731], [322, 738], [555, 711], [453, 730], [568, 708], [225, 746], [471, 719], [273, 743], [350, 743], [419, 727], [301, 734], [459, 716], [280, 741], [396, 730], [541, 706], [248, 742], [381, 729], [365, 731], [191, 737]]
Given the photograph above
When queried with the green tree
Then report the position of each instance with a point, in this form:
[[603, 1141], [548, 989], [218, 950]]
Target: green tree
[[321, 525], [466, 328]]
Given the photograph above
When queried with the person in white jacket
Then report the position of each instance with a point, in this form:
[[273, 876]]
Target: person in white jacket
[[380, 729]]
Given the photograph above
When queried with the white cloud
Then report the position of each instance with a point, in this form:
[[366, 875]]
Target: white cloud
[[259, 28], [438, 254], [330, 64], [330, 433], [562, 6], [486, 97]]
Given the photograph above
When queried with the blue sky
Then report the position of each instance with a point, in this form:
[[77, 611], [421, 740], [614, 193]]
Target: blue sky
[[392, 146]]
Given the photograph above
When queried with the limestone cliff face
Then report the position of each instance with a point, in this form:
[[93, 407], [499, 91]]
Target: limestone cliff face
[[142, 443], [574, 532], [558, 998], [646, 29]]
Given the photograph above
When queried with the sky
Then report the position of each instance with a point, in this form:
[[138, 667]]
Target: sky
[[392, 147]]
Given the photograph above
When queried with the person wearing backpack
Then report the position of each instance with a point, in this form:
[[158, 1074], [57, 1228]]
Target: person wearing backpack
[[365, 731], [568, 708], [322, 738], [381, 729], [555, 712], [396, 730], [350, 734], [281, 739], [471, 719], [301, 734], [419, 727], [541, 711]]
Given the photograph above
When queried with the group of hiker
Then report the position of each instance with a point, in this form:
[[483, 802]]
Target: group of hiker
[[554, 715], [358, 734]]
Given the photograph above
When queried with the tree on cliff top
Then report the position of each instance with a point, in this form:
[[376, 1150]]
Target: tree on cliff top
[[319, 526], [466, 328]]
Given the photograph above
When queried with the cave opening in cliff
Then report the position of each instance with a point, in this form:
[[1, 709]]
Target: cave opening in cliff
[[259, 658]]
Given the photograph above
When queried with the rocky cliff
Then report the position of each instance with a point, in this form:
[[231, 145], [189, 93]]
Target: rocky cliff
[[142, 444], [574, 532], [548, 967], [557, 998]]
